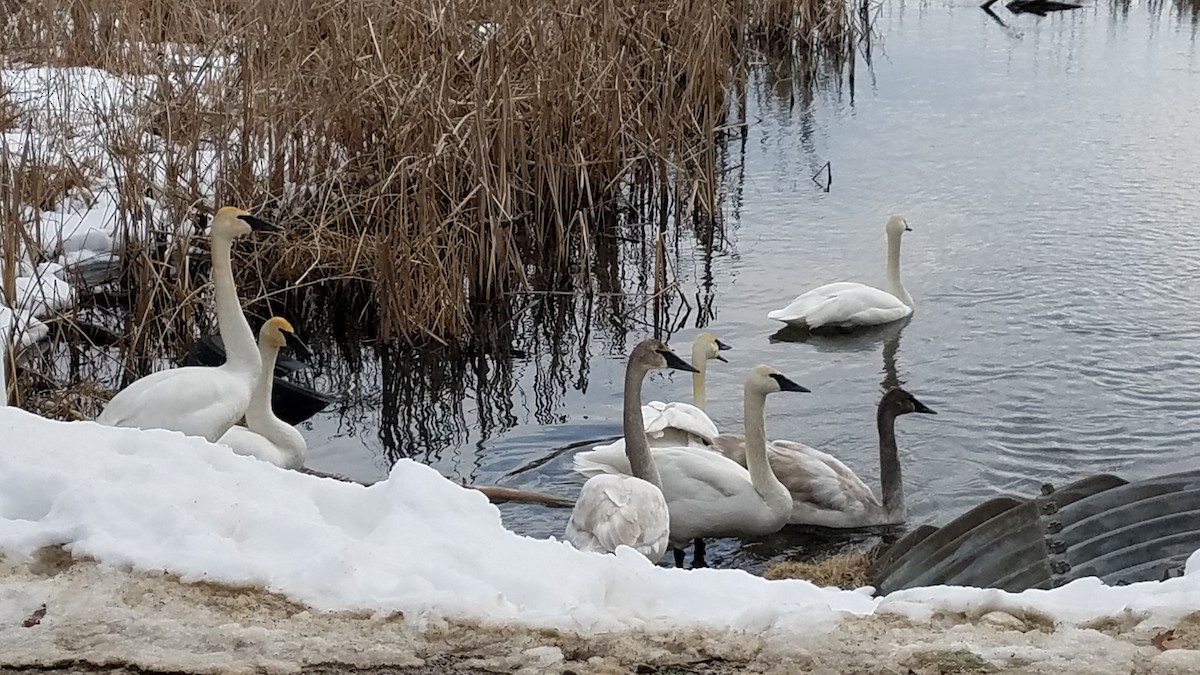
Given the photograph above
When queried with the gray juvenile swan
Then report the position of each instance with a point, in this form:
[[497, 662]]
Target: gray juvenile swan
[[678, 423], [825, 491], [615, 510]]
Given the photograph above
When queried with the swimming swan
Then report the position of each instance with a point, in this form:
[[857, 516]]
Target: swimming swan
[[676, 422], [265, 436], [199, 400], [629, 510], [708, 494], [848, 304], [826, 492], [679, 423]]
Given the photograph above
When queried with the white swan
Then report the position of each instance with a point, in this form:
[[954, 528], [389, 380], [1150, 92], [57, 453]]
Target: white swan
[[199, 400], [628, 510], [825, 491], [679, 423], [848, 304], [676, 422], [265, 436], [708, 494]]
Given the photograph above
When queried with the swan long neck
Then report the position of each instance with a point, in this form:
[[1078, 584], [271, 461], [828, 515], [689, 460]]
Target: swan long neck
[[260, 417], [889, 463], [700, 363], [895, 286], [259, 410], [761, 475], [241, 352], [637, 447]]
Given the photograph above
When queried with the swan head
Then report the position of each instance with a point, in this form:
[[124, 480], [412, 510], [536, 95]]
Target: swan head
[[900, 402], [278, 333], [651, 354], [230, 222], [707, 346], [897, 225], [764, 379]]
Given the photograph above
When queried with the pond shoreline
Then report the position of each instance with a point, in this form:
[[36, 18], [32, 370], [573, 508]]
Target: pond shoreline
[[102, 619]]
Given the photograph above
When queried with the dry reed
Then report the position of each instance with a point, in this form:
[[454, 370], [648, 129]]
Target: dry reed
[[847, 570], [403, 145], [427, 159]]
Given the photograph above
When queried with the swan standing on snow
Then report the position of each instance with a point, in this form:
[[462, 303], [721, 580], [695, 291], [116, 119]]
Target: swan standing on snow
[[265, 436], [708, 494], [848, 304], [199, 400], [826, 492], [629, 510]]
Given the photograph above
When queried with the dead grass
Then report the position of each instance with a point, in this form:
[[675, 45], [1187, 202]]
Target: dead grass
[[427, 158], [947, 662], [845, 570], [74, 401]]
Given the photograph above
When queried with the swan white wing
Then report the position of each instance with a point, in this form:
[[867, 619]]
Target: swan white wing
[[694, 429], [824, 490], [710, 495], [603, 459], [658, 419], [194, 400], [614, 511], [243, 441], [845, 303]]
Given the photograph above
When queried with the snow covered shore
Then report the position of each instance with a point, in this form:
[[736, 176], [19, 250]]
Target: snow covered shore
[[146, 513]]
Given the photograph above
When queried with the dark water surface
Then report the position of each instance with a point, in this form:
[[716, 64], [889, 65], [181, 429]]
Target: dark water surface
[[1050, 172]]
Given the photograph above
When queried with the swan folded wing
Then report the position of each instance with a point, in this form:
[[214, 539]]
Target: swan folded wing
[[700, 475], [659, 418], [202, 402], [732, 446], [817, 479], [844, 304], [603, 459], [797, 309], [614, 511], [243, 441]]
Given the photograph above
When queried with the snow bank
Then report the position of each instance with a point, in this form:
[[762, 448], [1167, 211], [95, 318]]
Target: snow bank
[[157, 500]]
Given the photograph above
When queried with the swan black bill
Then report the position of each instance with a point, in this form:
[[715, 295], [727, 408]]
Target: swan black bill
[[907, 228], [259, 225], [922, 408], [673, 361], [297, 345], [722, 346], [787, 385]]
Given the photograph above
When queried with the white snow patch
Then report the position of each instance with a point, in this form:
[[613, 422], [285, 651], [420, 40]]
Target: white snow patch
[[416, 542]]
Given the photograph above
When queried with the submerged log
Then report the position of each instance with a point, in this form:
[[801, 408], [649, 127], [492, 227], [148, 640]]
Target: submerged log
[[1039, 7], [500, 495], [494, 493]]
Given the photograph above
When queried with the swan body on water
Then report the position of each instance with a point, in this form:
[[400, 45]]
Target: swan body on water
[[628, 510], [825, 491], [708, 494], [199, 400], [265, 436], [677, 423], [848, 304]]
